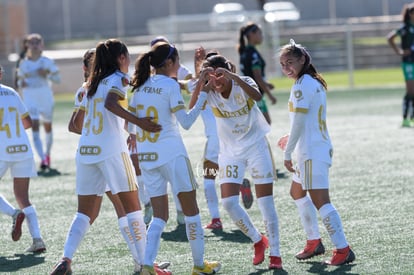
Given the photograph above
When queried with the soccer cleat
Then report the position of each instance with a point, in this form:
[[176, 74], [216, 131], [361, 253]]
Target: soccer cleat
[[312, 248], [162, 265], [154, 270], [38, 246], [259, 250], [18, 219], [246, 193], [341, 256], [406, 123], [180, 217], [208, 268], [62, 267], [148, 213], [275, 262], [43, 165], [215, 224], [137, 267]]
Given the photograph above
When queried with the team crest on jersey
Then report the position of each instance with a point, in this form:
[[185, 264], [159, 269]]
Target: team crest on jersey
[[240, 100], [81, 95], [298, 94], [125, 81]]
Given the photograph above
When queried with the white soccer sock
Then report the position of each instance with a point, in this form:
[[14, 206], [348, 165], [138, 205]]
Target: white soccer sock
[[38, 144], [269, 214], [137, 229], [32, 221], [333, 224], [211, 198], [77, 231], [308, 217], [155, 230], [241, 218], [6, 207], [126, 234], [49, 142], [143, 195], [195, 236]]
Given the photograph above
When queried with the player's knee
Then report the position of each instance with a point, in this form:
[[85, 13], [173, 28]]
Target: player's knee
[[230, 202]]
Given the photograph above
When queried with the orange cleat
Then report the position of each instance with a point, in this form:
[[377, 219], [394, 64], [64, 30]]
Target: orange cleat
[[259, 250], [312, 248], [341, 256]]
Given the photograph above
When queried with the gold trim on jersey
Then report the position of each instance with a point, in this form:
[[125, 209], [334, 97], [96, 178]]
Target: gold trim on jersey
[[308, 174], [130, 172], [117, 91], [177, 108], [240, 112], [296, 110]]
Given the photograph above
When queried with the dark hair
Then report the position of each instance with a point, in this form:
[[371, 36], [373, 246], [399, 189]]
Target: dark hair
[[211, 53], [219, 61], [156, 58], [105, 62], [87, 58], [244, 31], [297, 50], [407, 9]]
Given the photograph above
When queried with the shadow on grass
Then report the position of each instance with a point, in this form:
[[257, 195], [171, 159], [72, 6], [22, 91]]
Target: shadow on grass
[[267, 271], [20, 261], [177, 235], [49, 172], [235, 236], [320, 268]]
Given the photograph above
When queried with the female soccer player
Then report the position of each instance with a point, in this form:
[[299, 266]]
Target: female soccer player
[[242, 130], [163, 156], [310, 138], [406, 51], [16, 155], [102, 157], [35, 73], [252, 63]]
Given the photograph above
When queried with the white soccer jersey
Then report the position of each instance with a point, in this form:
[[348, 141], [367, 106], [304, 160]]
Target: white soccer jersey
[[183, 73], [159, 97], [14, 142], [80, 93], [308, 96], [102, 132], [28, 68], [210, 128], [239, 121]]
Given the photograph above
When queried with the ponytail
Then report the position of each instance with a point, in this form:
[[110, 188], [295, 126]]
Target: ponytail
[[142, 70], [157, 58], [244, 31], [105, 62]]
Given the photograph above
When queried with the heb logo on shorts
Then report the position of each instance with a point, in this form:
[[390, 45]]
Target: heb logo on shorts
[[89, 150], [148, 156], [21, 148]]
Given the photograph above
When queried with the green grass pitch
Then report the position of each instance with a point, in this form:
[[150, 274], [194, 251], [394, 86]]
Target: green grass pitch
[[371, 186]]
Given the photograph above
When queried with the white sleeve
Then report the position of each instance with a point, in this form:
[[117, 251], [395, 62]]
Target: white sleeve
[[186, 119], [295, 132]]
